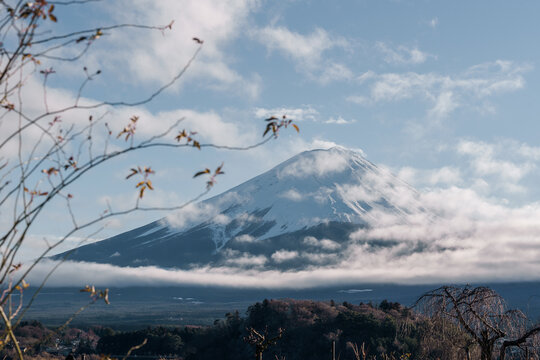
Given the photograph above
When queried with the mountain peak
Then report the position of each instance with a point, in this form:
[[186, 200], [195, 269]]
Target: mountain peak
[[322, 192], [320, 162], [337, 150]]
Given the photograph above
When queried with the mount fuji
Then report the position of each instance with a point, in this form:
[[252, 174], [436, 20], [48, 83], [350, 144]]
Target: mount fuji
[[298, 215]]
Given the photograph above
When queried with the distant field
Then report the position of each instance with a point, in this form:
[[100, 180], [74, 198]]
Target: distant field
[[135, 307]]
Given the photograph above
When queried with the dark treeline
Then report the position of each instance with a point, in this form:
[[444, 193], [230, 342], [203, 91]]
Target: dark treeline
[[311, 329]]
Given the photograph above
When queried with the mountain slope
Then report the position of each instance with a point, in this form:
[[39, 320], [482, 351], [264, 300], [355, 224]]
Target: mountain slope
[[297, 215]]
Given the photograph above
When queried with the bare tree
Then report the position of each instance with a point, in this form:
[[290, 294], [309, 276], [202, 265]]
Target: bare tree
[[445, 340], [262, 340], [45, 150], [518, 342], [481, 314]]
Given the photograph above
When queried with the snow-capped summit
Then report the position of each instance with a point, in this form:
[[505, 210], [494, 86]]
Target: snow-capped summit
[[315, 199]]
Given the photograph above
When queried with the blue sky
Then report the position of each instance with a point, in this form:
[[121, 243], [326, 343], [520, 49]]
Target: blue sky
[[445, 94]]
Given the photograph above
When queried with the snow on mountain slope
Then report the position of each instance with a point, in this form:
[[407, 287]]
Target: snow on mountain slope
[[311, 188], [314, 200]]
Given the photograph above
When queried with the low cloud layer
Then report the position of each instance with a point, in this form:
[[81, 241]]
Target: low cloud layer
[[463, 238]]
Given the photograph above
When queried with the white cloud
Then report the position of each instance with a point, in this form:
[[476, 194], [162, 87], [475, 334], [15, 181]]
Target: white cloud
[[446, 93], [284, 255], [445, 104], [57, 99], [434, 22], [335, 72], [366, 76], [499, 168], [300, 145], [380, 185], [339, 121], [321, 144], [194, 214], [307, 113], [357, 192], [446, 175], [402, 55], [529, 152], [209, 125], [292, 194], [307, 51], [218, 23], [243, 259], [486, 160], [245, 238], [321, 258], [468, 224], [209, 210], [393, 86], [325, 244], [315, 163], [245, 217]]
